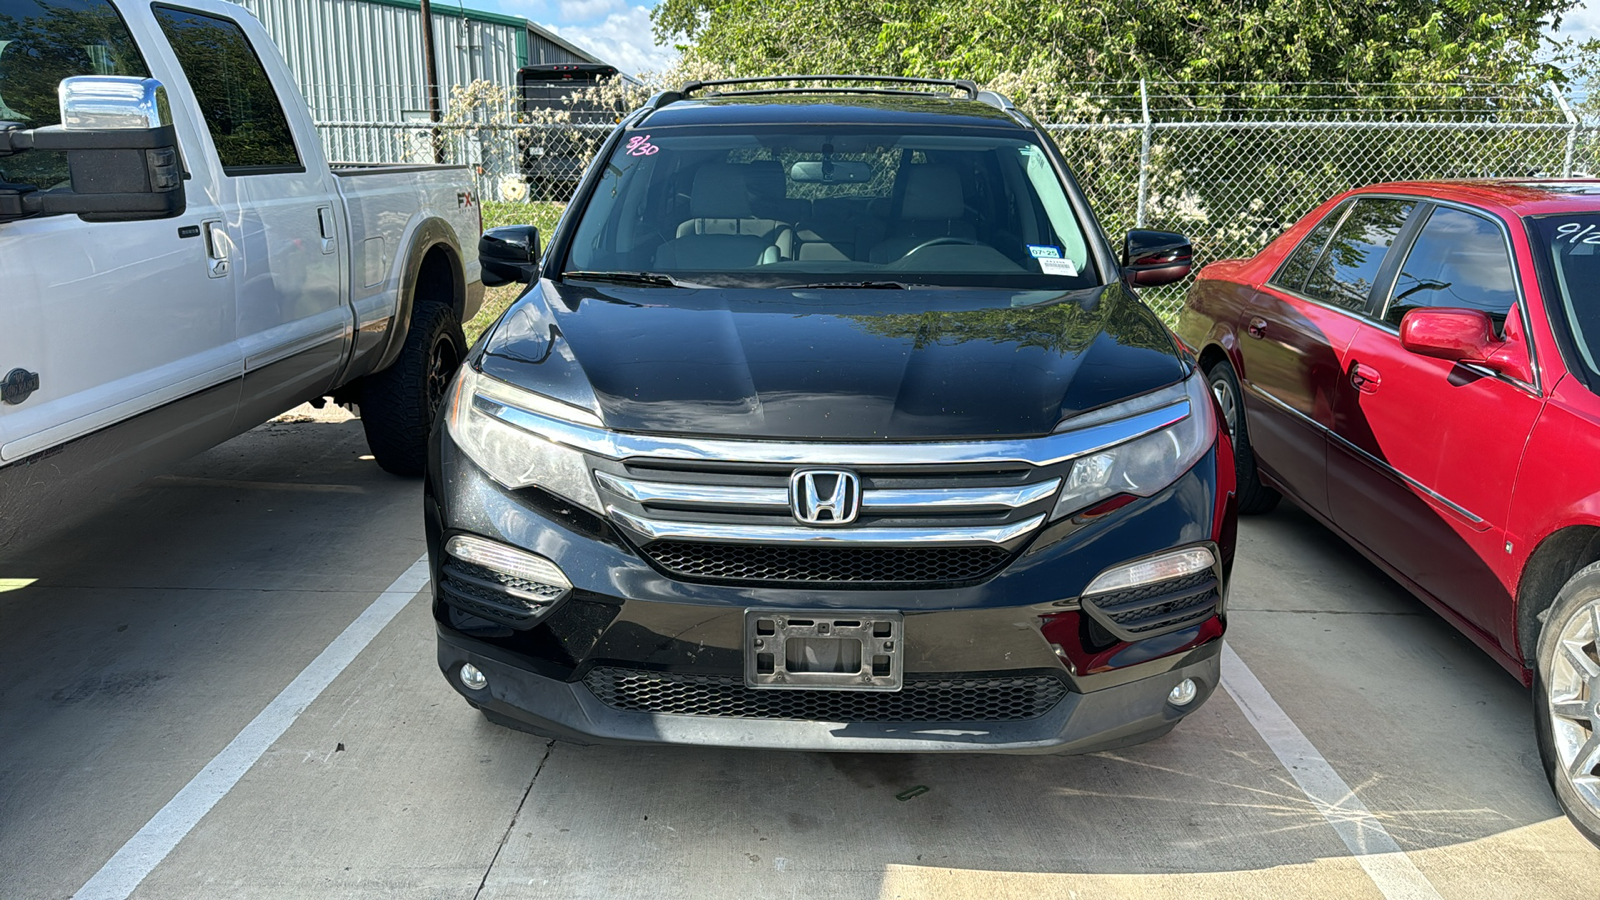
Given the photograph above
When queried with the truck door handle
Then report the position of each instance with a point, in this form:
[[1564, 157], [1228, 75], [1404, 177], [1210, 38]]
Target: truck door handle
[[1257, 327], [218, 248], [325, 225], [1365, 378]]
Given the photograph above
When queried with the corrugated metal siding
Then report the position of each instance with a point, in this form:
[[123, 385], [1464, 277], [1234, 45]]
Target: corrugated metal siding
[[542, 52], [362, 62]]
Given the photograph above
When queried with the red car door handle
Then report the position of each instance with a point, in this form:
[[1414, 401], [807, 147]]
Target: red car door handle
[[1365, 378], [1257, 327]]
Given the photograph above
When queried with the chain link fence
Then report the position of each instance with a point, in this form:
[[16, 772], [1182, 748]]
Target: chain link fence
[[1230, 174]]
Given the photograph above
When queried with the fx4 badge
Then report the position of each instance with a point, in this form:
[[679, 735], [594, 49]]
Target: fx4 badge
[[18, 385]]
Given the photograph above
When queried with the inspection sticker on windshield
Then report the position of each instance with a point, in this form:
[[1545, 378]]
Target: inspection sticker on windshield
[[1044, 251], [1057, 267]]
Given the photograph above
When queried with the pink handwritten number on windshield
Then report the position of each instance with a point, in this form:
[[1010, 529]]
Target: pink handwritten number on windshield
[[641, 146]]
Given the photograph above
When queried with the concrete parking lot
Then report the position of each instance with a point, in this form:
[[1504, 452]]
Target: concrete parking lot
[[162, 735]]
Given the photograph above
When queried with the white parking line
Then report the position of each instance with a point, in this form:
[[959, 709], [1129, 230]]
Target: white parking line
[[1385, 863], [144, 851]]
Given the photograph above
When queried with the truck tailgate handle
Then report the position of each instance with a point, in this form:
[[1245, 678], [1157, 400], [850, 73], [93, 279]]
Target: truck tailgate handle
[[325, 225]]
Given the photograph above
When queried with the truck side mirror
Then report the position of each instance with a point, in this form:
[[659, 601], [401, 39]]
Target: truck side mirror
[[509, 253], [1152, 258], [122, 153]]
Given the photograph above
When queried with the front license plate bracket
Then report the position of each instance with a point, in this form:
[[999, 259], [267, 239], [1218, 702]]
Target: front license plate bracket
[[841, 650]]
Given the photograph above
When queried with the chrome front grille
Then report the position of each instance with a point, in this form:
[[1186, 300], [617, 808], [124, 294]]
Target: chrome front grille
[[915, 525]]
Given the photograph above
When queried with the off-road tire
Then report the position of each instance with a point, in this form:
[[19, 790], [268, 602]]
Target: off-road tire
[[1579, 597], [399, 403], [1254, 497]]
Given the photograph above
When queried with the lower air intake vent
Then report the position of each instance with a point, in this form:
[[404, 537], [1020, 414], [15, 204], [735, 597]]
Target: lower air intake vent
[[1007, 699], [1152, 609], [854, 566]]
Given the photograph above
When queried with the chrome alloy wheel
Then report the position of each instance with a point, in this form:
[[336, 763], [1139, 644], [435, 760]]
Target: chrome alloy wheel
[[1573, 691], [1229, 403]]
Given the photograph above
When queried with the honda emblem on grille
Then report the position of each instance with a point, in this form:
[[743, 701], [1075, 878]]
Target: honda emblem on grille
[[825, 496]]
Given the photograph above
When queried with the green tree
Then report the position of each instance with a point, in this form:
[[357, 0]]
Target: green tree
[[1039, 48]]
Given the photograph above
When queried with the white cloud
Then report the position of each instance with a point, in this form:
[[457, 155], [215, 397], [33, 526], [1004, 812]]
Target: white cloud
[[584, 10], [625, 39]]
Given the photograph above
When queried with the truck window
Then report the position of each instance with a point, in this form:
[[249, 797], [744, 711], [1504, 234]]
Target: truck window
[[42, 42], [241, 109]]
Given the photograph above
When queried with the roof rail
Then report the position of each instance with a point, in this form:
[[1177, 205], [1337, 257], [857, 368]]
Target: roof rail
[[962, 84]]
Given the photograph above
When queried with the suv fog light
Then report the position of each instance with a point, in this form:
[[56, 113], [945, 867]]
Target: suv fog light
[[474, 679], [548, 582], [1175, 564], [1182, 695]]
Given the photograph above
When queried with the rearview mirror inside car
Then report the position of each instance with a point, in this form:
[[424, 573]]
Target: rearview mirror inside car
[[509, 253], [122, 153], [829, 171], [1151, 258]]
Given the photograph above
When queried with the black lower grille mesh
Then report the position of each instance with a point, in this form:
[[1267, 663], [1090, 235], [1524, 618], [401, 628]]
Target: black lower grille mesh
[[873, 566], [1003, 699]]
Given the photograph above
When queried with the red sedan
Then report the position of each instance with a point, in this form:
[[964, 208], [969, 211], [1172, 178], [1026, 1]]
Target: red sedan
[[1417, 365]]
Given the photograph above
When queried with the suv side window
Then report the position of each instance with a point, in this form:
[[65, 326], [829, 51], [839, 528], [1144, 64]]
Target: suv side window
[[1345, 275], [1459, 260], [41, 43], [240, 107], [1297, 268]]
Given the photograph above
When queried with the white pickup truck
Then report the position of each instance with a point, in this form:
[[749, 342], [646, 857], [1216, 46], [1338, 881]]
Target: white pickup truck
[[179, 262]]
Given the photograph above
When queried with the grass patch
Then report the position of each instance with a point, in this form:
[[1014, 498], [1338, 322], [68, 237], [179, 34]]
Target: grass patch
[[542, 215]]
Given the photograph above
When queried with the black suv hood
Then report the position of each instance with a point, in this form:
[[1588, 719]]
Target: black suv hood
[[832, 364]]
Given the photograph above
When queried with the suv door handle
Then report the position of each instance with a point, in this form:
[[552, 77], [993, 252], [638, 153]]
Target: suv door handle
[[1257, 327], [218, 248], [1365, 378]]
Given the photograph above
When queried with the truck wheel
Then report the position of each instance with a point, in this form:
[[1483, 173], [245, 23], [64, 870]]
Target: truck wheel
[[399, 403], [1254, 497], [1566, 700]]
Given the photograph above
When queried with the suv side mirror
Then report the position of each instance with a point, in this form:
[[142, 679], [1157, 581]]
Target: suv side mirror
[[1464, 336], [509, 253], [122, 153], [1151, 258]]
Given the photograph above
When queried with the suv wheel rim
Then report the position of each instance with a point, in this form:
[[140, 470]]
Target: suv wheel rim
[[441, 366], [1573, 690], [1224, 394]]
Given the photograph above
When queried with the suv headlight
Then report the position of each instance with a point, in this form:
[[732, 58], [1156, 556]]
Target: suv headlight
[[1145, 464], [512, 456]]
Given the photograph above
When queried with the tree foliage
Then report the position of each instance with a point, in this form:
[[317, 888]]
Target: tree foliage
[[1024, 44]]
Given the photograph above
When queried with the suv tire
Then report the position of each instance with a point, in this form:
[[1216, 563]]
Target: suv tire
[[1254, 497], [399, 403], [1567, 675]]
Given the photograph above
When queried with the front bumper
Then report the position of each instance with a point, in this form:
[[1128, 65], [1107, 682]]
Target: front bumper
[[1021, 626]]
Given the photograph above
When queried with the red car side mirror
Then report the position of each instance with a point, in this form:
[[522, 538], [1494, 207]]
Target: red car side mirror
[[1462, 335]]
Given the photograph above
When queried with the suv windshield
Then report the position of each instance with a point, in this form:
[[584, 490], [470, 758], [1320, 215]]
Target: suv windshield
[[832, 207], [42, 43], [1569, 252]]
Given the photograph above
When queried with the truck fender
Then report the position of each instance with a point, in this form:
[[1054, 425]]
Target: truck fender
[[432, 234]]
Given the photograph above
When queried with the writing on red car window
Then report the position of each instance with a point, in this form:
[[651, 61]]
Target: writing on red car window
[[1578, 233], [641, 146]]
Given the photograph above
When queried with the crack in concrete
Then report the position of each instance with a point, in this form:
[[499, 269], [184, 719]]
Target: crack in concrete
[[511, 826]]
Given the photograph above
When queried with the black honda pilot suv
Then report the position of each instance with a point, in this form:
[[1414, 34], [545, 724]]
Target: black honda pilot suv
[[830, 421]]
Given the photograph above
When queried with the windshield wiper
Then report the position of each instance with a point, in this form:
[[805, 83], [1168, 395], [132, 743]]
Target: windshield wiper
[[655, 278], [850, 285]]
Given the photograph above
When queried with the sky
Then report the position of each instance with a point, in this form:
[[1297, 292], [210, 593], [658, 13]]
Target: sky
[[619, 32]]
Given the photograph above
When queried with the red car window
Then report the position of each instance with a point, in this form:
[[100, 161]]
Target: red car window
[[1297, 268], [1460, 261], [1345, 275]]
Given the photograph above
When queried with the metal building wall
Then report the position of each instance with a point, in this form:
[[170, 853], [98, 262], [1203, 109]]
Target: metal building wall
[[361, 61]]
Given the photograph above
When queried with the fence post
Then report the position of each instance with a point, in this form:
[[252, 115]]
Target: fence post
[[1572, 129], [1144, 156]]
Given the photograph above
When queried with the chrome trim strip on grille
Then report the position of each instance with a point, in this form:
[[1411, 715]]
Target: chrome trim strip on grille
[[958, 498], [1043, 451], [696, 494], [915, 499], [663, 530]]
